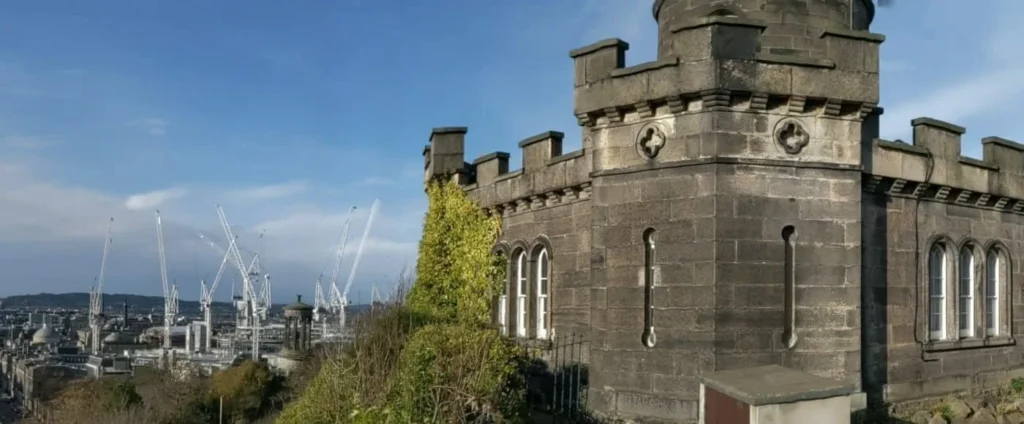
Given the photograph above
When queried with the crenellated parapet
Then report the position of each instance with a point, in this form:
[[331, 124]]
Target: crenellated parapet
[[720, 61], [547, 176], [933, 167]]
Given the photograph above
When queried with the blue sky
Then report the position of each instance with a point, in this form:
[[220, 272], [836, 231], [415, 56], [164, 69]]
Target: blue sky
[[288, 113]]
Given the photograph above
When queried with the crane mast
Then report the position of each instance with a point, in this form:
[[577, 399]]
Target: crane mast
[[206, 299], [96, 294]]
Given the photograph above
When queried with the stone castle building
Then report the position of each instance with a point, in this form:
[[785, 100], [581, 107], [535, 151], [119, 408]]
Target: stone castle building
[[732, 206]]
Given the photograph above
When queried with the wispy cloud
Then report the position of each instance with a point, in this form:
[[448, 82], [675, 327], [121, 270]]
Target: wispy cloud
[[273, 191], [152, 126], [153, 199]]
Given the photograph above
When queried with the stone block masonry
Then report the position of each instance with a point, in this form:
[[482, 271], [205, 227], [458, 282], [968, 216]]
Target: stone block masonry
[[732, 207]]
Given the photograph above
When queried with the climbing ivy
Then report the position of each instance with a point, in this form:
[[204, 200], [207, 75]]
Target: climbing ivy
[[456, 273]]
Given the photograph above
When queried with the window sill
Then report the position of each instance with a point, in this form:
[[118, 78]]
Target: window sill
[[972, 343]]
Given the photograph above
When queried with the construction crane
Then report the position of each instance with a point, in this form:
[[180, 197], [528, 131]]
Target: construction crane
[[359, 255], [96, 294], [320, 305], [257, 304], [170, 293], [206, 294], [335, 302]]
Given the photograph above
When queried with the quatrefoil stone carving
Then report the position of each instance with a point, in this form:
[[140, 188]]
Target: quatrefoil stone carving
[[650, 140], [791, 136]]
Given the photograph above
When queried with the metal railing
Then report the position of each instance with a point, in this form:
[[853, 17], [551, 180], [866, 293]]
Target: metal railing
[[557, 375]]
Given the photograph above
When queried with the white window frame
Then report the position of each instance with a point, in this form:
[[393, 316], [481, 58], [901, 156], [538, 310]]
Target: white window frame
[[543, 280], [937, 280], [521, 285], [503, 308], [993, 281], [965, 292]]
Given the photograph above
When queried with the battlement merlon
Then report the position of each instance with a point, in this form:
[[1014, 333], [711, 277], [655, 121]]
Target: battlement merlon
[[445, 155], [933, 166], [716, 56], [547, 177]]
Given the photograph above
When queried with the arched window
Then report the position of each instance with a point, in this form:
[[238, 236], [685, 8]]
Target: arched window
[[937, 292], [503, 301], [521, 286], [543, 283], [648, 336], [965, 292], [994, 274]]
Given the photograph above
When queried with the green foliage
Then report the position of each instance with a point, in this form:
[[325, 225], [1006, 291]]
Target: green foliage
[[246, 390], [456, 276], [1017, 385], [357, 377], [121, 395], [435, 360], [451, 373]]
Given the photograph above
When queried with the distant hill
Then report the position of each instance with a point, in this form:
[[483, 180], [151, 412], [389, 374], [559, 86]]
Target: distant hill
[[81, 301], [135, 301]]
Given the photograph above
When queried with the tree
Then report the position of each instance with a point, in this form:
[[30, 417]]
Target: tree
[[456, 274]]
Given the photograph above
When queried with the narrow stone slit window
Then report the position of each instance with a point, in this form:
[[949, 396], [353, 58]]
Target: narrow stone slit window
[[789, 286], [648, 337]]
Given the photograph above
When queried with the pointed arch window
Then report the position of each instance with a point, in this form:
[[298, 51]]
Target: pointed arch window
[[521, 286], [965, 292], [543, 287], [937, 274]]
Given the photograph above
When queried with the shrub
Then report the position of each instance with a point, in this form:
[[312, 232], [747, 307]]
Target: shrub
[[456, 273], [246, 390], [453, 373]]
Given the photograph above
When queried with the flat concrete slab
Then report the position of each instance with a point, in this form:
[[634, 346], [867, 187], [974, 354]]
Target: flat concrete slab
[[774, 384]]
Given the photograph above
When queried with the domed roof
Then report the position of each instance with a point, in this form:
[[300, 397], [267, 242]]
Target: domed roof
[[45, 335], [298, 305]]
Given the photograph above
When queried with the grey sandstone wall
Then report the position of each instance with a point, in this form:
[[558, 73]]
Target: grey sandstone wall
[[915, 195]]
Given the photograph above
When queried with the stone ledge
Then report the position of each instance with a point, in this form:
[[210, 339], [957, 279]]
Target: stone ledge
[[853, 35], [794, 60], [971, 343], [608, 42], [719, 20], [774, 384]]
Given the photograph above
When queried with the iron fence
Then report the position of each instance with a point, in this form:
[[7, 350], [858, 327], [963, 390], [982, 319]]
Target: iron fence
[[557, 375]]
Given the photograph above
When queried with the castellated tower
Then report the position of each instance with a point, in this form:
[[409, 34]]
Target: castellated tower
[[738, 153], [712, 219]]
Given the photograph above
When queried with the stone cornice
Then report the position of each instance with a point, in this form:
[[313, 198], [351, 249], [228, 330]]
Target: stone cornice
[[733, 100]]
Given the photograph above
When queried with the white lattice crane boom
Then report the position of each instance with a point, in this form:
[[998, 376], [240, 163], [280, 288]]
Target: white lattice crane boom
[[335, 302], [359, 255], [96, 294], [169, 302], [257, 305]]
